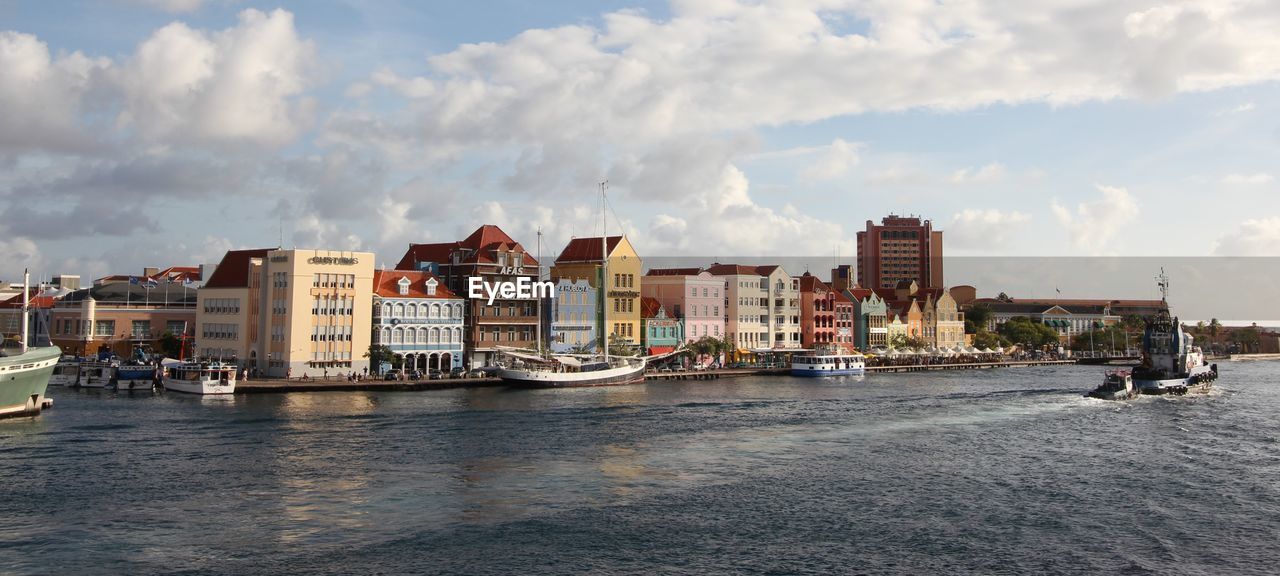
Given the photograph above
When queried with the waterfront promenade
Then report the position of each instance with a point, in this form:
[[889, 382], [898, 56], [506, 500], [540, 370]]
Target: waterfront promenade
[[267, 386]]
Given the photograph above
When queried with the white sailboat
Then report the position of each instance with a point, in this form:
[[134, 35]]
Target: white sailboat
[[567, 371]]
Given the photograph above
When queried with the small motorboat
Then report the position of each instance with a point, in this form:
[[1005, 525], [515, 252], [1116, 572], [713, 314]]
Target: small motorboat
[[1117, 385]]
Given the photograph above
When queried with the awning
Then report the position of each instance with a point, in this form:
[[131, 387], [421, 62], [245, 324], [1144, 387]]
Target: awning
[[661, 349]]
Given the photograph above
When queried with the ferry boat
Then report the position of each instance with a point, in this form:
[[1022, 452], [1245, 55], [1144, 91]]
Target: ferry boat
[[201, 378], [25, 370], [1171, 362], [828, 364], [1117, 385]]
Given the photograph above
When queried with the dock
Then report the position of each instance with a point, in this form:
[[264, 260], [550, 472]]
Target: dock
[[275, 386]]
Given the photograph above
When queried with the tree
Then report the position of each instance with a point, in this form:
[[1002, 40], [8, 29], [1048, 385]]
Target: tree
[[905, 341], [377, 355], [1021, 330], [1247, 338], [1214, 327], [170, 345], [984, 339], [976, 318], [1002, 297]]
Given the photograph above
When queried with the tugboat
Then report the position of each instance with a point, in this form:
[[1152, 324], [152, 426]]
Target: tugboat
[[1118, 385], [1171, 363]]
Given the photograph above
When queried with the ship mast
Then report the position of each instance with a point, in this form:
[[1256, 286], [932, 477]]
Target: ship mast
[[538, 330], [26, 299], [604, 271]]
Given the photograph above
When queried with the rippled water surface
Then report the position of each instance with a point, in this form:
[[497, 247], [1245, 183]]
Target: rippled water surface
[[1008, 471]]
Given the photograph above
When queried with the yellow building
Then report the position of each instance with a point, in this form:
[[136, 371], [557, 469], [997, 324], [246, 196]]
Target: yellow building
[[581, 259], [289, 312]]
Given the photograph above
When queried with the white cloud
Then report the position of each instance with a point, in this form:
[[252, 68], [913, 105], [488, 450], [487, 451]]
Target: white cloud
[[990, 173], [1258, 178], [242, 85], [835, 162], [171, 6], [18, 253], [1237, 109], [1092, 225], [1256, 237], [41, 96], [984, 229]]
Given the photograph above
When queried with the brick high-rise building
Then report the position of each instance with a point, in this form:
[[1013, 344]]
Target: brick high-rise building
[[900, 248]]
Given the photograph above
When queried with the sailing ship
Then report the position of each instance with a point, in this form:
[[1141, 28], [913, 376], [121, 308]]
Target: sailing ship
[[24, 369], [526, 370]]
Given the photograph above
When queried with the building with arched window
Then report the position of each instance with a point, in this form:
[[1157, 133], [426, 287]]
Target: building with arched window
[[419, 318]]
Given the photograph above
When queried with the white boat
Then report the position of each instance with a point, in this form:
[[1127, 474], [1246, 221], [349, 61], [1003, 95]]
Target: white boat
[[201, 378], [828, 364], [65, 372], [1116, 385], [1171, 362], [95, 374], [527, 370]]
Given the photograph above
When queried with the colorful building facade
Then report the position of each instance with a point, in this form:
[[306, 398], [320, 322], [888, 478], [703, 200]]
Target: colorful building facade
[[574, 317], [492, 256], [419, 319], [692, 295], [582, 259], [662, 333]]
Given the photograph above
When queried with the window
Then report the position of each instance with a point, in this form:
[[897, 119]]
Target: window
[[104, 328], [141, 329]]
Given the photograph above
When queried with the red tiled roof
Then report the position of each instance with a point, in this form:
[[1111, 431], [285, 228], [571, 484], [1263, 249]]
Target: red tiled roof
[[861, 293], [673, 272], [480, 246], [1050, 302], [36, 301], [586, 249], [233, 271], [387, 283], [810, 283], [649, 307], [740, 270]]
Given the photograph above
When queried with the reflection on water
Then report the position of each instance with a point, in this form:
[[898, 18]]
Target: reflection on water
[[929, 465]]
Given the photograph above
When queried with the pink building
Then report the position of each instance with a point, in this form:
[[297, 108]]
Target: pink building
[[690, 294]]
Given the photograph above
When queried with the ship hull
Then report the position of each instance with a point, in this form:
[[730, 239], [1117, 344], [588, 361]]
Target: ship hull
[[24, 379], [1199, 381], [619, 376], [818, 373], [135, 378], [203, 387]]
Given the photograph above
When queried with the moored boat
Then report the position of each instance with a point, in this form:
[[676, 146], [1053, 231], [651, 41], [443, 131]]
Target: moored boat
[[95, 374], [135, 376], [201, 378], [571, 372], [65, 372], [828, 364], [25, 370]]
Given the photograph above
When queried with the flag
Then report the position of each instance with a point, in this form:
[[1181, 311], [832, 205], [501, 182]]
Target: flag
[[169, 280], [187, 282], [1059, 290], [150, 283], [133, 280]]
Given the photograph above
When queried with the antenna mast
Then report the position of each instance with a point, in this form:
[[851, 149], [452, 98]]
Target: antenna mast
[[1163, 281]]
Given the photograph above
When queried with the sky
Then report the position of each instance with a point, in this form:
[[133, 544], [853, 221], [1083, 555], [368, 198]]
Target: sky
[[164, 132]]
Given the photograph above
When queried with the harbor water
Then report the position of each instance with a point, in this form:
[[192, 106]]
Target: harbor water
[[1005, 471]]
